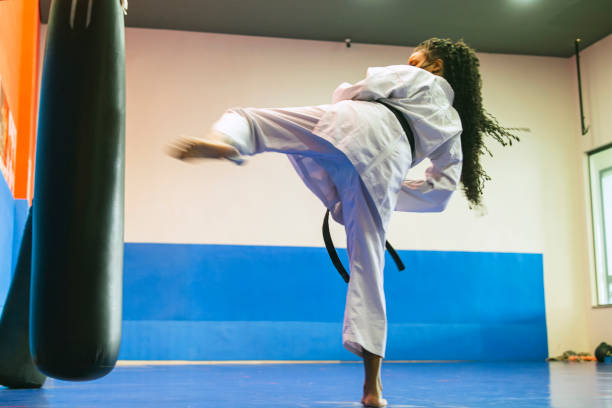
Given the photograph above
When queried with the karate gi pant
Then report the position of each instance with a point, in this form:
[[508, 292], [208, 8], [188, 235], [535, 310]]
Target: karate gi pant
[[340, 187]]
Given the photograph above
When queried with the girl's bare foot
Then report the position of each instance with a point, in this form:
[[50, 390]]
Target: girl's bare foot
[[373, 402], [187, 148], [372, 387], [373, 398]]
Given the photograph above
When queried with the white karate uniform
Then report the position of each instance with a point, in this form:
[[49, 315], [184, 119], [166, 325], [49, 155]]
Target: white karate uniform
[[354, 156]]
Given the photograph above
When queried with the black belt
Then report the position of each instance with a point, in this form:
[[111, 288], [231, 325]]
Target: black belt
[[329, 244], [403, 122], [331, 250]]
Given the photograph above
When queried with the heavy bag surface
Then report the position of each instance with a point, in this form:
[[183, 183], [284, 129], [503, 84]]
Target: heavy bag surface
[[77, 257], [17, 370]]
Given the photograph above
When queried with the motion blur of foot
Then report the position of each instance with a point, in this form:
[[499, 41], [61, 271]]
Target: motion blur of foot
[[212, 147]]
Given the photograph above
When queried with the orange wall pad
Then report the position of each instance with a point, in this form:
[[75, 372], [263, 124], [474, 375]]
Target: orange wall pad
[[19, 48]]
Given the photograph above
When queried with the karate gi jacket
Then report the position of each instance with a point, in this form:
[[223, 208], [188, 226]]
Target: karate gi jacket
[[376, 145], [426, 100]]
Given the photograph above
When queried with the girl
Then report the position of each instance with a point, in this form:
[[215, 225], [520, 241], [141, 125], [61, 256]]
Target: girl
[[355, 153]]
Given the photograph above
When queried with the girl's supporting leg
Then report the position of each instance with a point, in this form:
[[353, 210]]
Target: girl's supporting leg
[[372, 385], [365, 322]]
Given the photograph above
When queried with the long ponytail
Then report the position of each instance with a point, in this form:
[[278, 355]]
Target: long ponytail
[[461, 70]]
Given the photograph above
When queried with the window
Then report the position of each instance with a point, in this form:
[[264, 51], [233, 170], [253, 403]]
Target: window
[[600, 168]]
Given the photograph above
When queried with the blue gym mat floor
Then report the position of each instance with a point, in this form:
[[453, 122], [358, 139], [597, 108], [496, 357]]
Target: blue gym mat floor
[[437, 385]]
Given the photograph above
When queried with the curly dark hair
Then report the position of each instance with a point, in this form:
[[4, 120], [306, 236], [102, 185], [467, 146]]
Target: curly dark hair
[[461, 70]]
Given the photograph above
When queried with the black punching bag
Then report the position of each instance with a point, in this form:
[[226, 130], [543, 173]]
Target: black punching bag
[[16, 367], [77, 250]]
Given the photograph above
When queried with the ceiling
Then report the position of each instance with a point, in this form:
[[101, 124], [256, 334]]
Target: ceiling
[[528, 27]]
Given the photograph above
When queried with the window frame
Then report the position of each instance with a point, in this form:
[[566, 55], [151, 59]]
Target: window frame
[[598, 236]]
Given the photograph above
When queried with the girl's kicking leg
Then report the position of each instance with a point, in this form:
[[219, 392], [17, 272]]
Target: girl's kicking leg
[[250, 131], [187, 148]]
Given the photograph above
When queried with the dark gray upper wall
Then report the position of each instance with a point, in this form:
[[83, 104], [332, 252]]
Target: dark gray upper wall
[[528, 27]]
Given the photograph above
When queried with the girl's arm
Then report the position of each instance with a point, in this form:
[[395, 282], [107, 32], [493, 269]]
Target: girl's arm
[[441, 180]]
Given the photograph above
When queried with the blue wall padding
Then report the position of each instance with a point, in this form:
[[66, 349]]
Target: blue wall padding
[[227, 283], [231, 340], [13, 215], [7, 219], [19, 221], [226, 302]]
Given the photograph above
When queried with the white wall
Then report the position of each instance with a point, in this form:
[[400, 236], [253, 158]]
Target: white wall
[[595, 63], [180, 82]]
